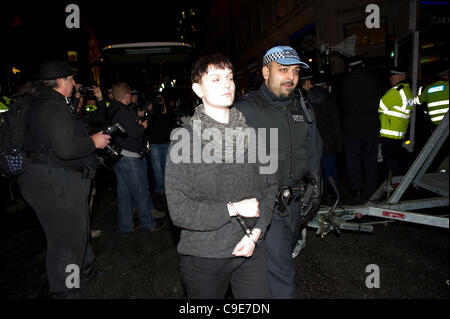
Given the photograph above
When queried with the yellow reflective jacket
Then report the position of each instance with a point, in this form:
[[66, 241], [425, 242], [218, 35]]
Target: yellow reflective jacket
[[395, 110]]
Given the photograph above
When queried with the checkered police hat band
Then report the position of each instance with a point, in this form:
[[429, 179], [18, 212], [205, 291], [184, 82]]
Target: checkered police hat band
[[287, 54]]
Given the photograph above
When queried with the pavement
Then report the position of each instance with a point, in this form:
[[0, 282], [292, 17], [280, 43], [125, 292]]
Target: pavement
[[411, 260]]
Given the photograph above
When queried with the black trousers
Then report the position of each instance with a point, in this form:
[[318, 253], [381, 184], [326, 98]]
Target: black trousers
[[394, 155], [280, 241], [209, 278], [60, 199], [361, 161]]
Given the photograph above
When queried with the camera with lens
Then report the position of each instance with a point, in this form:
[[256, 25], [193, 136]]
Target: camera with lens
[[112, 130], [85, 90]]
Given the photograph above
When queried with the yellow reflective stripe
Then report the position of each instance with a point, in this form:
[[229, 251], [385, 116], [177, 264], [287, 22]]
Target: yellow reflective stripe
[[401, 109], [397, 114], [444, 102], [383, 107], [417, 100], [392, 133], [404, 100], [437, 118], [440, 111]]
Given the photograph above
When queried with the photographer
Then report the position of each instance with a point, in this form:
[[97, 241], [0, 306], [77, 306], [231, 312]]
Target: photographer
[[58, 176], [131, 169], [91, 107], [161, 122]]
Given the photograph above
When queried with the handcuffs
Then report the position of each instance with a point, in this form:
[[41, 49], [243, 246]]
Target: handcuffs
[[242, 222]]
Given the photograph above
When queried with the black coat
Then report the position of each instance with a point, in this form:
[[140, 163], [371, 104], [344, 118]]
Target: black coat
[[160, 125], [328, 120], [127, 117], [360, 96], [55, 130]]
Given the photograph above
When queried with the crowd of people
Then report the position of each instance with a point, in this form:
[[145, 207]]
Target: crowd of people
[[238, 226]]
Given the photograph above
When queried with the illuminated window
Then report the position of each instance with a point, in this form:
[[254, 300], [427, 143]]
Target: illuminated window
[[366, 37], [72, 56]]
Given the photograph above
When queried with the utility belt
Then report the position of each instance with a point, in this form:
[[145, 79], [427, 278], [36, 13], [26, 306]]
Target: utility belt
[[86, 171], [288, 198]]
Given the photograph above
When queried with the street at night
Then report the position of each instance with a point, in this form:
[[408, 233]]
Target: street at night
[[356, 92], [412, 260]]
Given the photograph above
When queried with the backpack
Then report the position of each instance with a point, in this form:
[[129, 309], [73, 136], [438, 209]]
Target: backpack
[[13, 127]]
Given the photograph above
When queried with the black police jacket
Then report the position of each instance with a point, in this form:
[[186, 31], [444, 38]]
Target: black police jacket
[[360, 96], [55, 131], [328, 120], [299, 146], [160, 125]]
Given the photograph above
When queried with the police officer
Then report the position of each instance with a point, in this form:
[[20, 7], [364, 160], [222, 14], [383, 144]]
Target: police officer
[[436, 97], [299, 147], [57, 179], [360, 95], [4, 101], [305, 82], [395, 110], [329, 126]]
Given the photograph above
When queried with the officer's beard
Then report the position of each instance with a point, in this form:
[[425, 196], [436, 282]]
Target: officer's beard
[[284, 92]]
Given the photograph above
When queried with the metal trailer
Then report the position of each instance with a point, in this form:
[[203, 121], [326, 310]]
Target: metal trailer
[[330, 219]]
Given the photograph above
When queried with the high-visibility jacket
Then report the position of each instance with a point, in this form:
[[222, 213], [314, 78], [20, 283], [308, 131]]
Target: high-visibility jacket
[[395, 110], [4, 103], [436, 97]]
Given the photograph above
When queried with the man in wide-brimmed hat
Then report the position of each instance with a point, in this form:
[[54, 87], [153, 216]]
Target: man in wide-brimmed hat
[[57, 179]]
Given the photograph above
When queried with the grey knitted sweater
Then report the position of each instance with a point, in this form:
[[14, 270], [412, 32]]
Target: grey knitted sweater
[[197, 197]]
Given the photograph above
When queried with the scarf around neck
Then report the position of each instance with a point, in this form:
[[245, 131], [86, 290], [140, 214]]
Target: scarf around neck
[[228, 143]]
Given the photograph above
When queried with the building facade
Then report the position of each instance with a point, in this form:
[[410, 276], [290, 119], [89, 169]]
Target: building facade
[[244, 30]]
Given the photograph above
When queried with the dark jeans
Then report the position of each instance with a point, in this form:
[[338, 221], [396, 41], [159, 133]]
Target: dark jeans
[[209, 278], [158, 154], [60, 199], [133, 191], [361, 159]]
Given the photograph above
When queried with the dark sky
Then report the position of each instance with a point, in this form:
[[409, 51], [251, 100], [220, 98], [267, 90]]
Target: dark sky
[[136, 20], [37, 32], [111, 21]]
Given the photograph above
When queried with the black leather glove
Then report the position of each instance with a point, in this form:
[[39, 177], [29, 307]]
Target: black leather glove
[[313, 193]]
